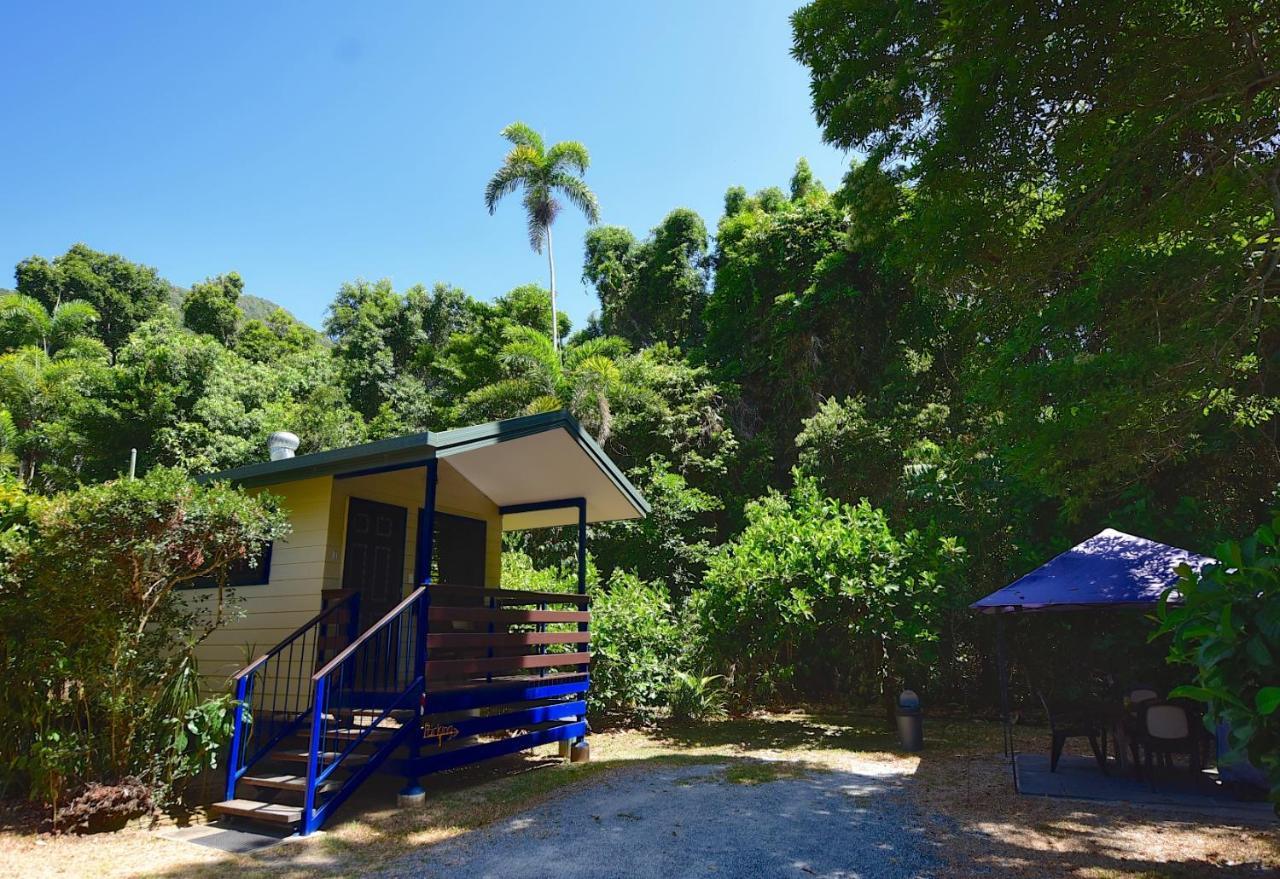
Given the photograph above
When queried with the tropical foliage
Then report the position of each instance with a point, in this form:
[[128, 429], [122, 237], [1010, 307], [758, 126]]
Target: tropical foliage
[[1227, 627], [97, 651]]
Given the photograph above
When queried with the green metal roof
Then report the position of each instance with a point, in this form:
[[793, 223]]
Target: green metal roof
[[418, 448]]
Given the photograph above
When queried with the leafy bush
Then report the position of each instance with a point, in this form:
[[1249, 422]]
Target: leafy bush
[[697, 697], [821, 597], [99, 680], [635, 641], [1228, 627]]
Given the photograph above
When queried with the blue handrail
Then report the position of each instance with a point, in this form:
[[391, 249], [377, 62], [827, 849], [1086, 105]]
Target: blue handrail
[[382, 668], [264, 717]]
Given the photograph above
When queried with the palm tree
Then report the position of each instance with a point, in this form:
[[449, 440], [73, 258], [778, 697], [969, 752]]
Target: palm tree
[[587, 381], [544, 174], [24, 322]]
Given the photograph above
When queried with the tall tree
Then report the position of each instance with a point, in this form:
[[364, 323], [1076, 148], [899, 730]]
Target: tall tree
[[544, 174], [212, 307], [653, 290], [124, 293]]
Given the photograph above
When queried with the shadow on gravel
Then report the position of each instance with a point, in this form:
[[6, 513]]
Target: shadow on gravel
[[746, 818]]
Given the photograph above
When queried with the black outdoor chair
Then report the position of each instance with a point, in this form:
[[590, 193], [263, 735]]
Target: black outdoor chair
[[1130, 720], [1075, 724], [1166, 730]]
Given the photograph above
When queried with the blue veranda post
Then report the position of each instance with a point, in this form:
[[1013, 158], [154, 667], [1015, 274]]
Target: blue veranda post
[[422, 577], [582, 572]]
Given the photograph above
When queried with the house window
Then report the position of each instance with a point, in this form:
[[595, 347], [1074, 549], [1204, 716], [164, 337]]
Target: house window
[[242, 573]]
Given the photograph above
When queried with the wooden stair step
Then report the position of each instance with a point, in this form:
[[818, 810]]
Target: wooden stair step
[[273, 813], [395, 713], [288, 782], [326, 757], [350, 733]]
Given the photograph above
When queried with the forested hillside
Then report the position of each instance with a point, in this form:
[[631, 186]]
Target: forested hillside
[[1013, 323]]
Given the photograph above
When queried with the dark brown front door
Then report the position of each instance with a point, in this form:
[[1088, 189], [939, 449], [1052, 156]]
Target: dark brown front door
[[460, 550], [374, 560]]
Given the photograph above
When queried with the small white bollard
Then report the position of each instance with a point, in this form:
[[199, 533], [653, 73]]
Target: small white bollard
[[581, 753], [411, 800]]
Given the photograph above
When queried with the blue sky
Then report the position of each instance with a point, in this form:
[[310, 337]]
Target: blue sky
[[305, 144]]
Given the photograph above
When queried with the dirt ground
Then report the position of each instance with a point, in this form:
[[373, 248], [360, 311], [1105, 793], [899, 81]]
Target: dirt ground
[[959, 787]]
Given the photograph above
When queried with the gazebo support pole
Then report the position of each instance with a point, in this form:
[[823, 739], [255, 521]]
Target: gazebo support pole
[[1002, 671]]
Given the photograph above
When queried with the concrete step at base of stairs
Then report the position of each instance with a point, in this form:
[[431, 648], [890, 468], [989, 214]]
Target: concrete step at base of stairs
[[256, 810]]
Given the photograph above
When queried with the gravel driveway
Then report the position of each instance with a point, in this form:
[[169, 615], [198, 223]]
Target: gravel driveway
[[693, 821]]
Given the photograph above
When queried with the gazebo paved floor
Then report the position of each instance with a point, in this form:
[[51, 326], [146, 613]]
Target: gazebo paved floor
[[1078, 778]]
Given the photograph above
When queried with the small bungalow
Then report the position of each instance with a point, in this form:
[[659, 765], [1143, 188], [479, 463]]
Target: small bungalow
[[378, 634]]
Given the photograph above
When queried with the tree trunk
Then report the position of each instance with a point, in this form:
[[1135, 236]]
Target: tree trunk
[[555, 322]]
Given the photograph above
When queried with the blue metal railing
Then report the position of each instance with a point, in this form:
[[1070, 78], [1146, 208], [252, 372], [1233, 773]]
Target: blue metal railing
[[273, 693], [355, 697]]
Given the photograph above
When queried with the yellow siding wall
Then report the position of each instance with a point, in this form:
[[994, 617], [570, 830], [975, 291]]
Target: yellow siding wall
[[290, 597]]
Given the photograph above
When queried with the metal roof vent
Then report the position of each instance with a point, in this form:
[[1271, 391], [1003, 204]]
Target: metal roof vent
[[282, 444]]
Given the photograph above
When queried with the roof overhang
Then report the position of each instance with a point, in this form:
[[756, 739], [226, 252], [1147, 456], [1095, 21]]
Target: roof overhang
[[536, 459]]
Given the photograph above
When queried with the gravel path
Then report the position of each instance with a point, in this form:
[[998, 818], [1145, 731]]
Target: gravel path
[[691, 821]]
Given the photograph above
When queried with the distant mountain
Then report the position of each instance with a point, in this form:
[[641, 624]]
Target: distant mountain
[[254, 307], [257, 308]]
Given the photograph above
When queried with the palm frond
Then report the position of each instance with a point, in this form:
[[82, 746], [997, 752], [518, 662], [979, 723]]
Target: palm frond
[[606, 346], [599, 370], [502, 399], [544, 403], [23, 321], [70, 320], [9, 440], [570, 153], [530, 352], [504, 182], [522, 135], [522, 165], [578, 193]]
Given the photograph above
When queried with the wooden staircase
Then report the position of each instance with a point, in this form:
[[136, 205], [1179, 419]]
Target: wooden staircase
[[275, 795], [506, 673]]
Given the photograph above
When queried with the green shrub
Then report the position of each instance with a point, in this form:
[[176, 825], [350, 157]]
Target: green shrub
[[821, 597], [697, 697], [96, 654], [636, 645], [1228, 628]]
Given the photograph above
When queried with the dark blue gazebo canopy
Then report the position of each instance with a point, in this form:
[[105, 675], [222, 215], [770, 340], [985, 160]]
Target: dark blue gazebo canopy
[[1110, 569]]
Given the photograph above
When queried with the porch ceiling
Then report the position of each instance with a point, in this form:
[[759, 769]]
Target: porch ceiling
[[551, 465]]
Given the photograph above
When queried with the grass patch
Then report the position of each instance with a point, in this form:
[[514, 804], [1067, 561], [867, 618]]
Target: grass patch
[[763, 772]]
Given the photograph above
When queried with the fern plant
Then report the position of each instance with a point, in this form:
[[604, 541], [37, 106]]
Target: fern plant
[[697, 697]]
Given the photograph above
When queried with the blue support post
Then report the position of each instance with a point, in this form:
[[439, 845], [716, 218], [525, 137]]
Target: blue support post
[[237, 736], [422, 577], [582, 578], [310, 822]]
